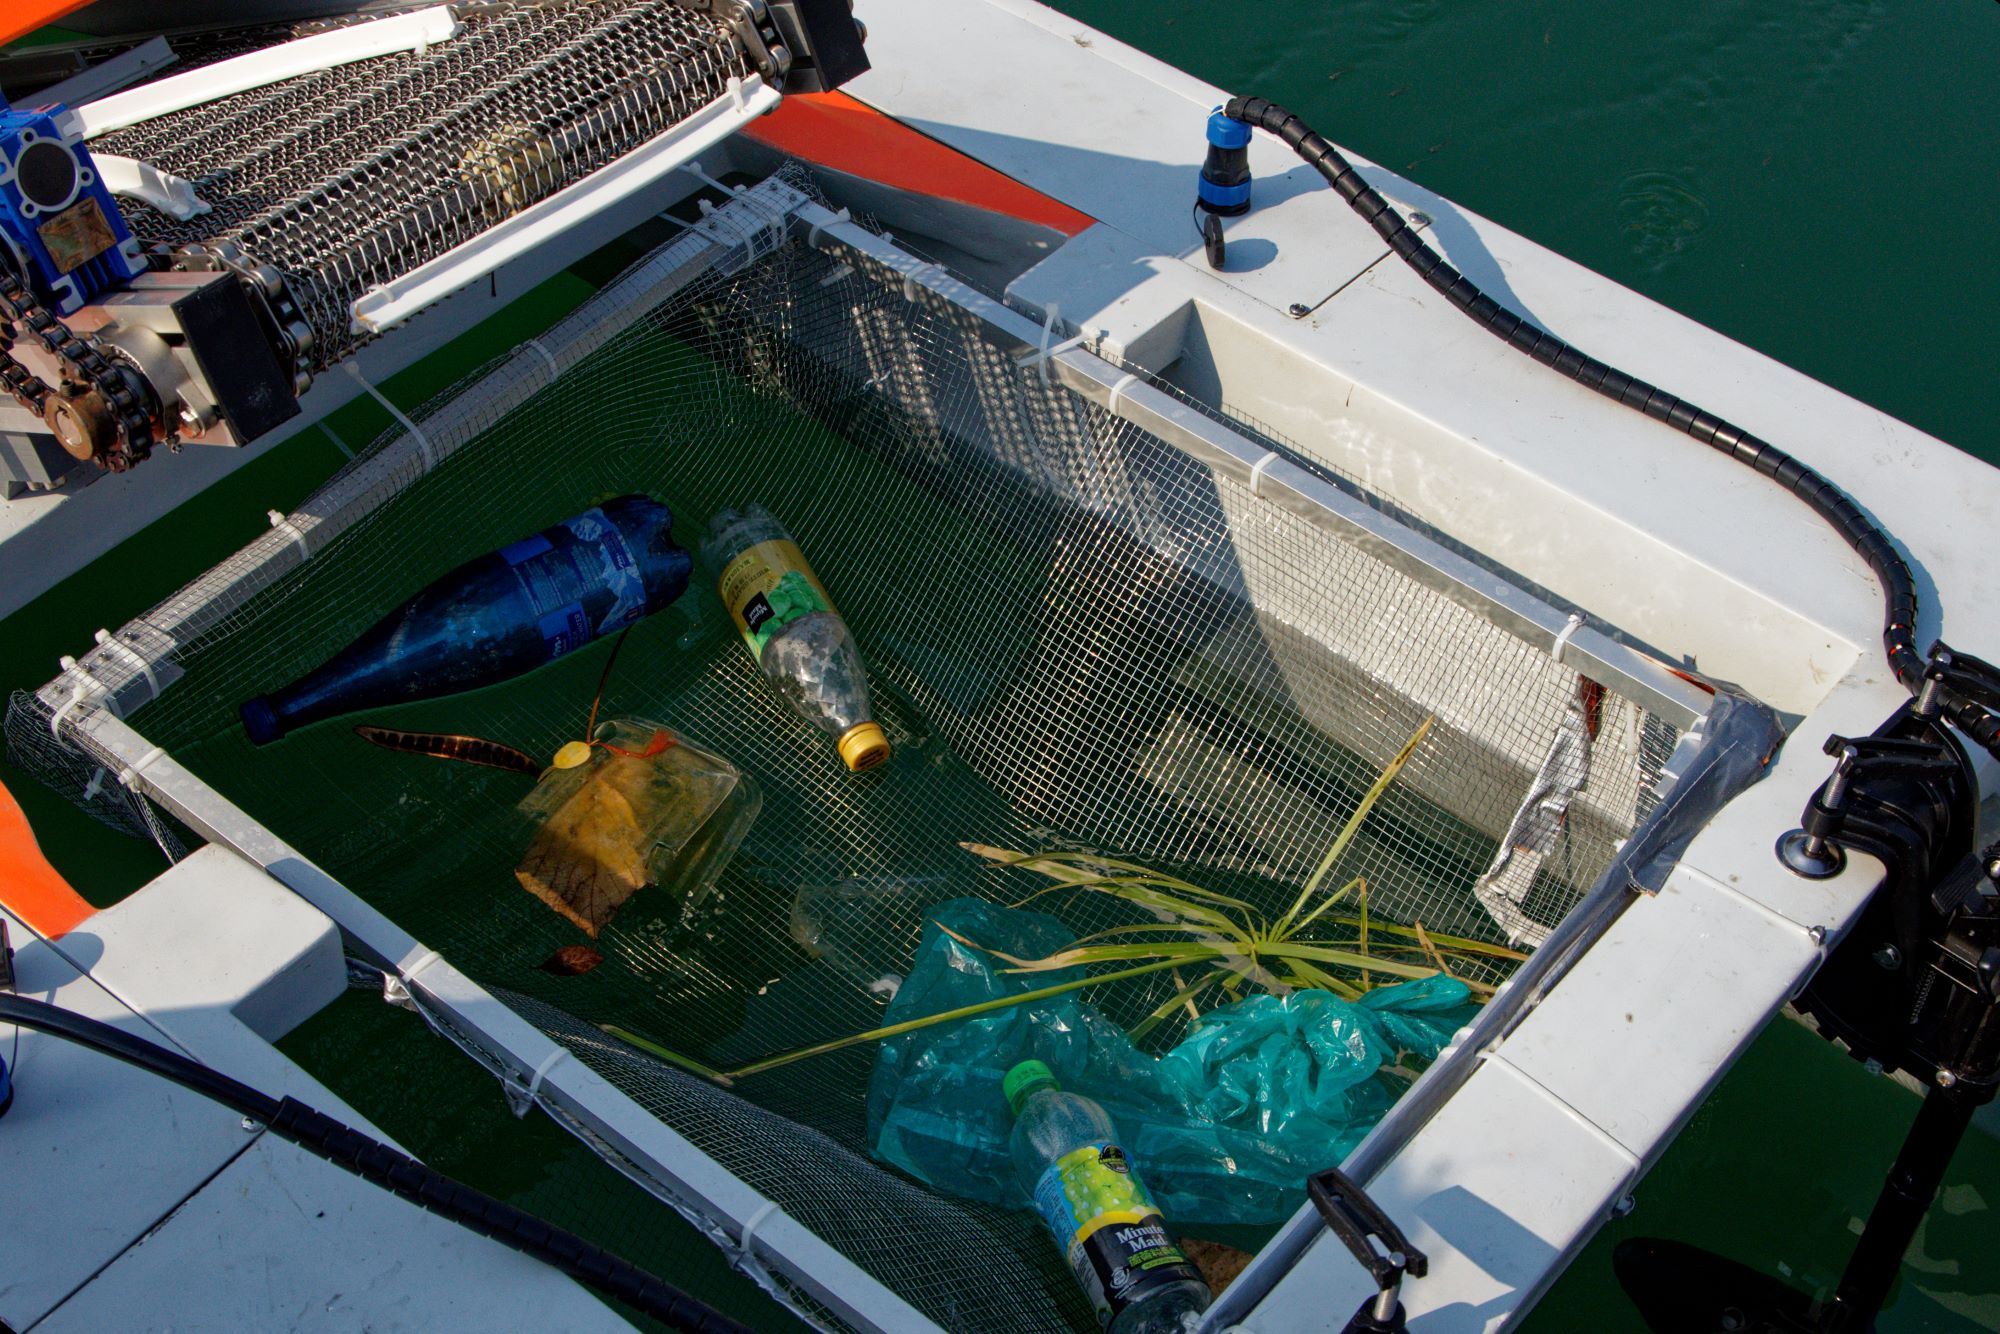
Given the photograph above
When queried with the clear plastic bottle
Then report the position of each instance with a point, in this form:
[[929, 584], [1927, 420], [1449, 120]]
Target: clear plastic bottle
[[805, 650], [1089, 1194]]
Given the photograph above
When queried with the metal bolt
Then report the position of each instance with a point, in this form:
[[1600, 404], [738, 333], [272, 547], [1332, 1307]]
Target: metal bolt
[[1946, 1079], [1818, 935], [1624, 1207], [1299, 310], [1888, 958], [1419, 218], [251, 1124]]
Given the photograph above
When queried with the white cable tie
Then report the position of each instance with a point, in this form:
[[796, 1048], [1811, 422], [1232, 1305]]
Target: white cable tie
[[1574, 624], [128, 776], [746, 1242], [548, 356], [1257, 471], [76, 697], [694, 169], [549, 1062], [410, 427], [1049, 318], [94, 786], [1111, 405], [109, 640], [408, 972], [283, 521], [736, 91], [813, 232]]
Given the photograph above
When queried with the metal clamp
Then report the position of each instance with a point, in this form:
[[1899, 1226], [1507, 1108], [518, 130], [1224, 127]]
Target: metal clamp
[[1374, 1240]]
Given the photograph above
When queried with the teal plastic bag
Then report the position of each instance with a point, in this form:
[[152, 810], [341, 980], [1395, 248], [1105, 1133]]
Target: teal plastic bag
[[1225, 1127]]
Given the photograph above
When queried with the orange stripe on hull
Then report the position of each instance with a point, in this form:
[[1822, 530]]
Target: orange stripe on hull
[[18, 18], [30, 888], [834, 130]]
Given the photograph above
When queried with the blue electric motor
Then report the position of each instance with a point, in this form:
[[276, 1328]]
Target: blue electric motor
[[68, 239]]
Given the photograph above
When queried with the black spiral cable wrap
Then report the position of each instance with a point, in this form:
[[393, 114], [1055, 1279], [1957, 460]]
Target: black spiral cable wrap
[[1899, 592], [396, 1172]]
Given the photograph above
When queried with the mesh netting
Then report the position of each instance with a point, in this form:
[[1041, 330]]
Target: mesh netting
[[1078, 637], [352, 176]]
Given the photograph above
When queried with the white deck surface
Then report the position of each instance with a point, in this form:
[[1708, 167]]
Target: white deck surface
[[136, 1205]]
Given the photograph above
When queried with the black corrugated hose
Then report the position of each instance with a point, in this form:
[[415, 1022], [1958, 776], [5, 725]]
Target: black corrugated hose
[[375, 1162], [1899, 593]]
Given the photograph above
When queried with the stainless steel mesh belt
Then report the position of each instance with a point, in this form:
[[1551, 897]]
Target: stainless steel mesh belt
[[349, 177]]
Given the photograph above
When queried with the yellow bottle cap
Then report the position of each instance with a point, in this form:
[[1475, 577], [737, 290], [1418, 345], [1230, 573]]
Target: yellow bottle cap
[[864, 746]]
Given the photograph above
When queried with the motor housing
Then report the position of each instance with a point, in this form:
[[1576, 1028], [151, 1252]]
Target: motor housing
[[67, 236]]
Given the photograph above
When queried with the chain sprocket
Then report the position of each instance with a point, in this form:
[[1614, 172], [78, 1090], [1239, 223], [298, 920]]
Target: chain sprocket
[[100, 411]]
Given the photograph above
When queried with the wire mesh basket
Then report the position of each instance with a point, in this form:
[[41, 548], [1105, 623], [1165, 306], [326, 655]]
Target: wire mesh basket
[[1080, 636]]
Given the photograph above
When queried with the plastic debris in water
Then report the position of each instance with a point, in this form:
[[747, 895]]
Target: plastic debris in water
[[643, 808], [801, 644], [496, 617], [1089, 1193]]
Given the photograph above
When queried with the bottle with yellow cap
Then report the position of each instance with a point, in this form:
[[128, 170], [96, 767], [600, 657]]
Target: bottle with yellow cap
[[794, 631]]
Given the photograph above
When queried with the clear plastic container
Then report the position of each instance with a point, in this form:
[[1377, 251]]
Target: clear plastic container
[[1088, 1192], [794, 631], [646, 808]]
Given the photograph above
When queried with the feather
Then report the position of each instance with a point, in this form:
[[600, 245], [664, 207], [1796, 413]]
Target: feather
[[451, 746]]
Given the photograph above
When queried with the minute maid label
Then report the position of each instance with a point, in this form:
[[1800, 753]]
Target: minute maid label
[[768, 587], [1115, 1238]]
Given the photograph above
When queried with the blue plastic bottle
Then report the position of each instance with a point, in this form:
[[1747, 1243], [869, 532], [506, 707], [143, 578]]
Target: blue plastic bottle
[[496, 617]]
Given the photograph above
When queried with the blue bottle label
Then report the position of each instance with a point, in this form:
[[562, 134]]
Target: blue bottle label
[[618, 568], [526, 549], [565, 629]]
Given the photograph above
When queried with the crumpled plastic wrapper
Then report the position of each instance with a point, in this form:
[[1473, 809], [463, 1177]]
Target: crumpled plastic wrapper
[[1225, 1127]]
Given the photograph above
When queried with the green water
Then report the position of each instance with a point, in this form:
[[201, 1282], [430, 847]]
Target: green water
[[1818, 183]]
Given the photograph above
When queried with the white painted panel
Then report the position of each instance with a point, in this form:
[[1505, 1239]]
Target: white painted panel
[[93, 1152], [216, 939], [1648, 1020], [1497, 1192], [284, 1240]]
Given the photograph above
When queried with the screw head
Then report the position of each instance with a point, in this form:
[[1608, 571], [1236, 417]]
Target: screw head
[[1946, 1079], [1888, 958], [251, 1124], [1818, 935], [1626, 1204], [1299, 310]]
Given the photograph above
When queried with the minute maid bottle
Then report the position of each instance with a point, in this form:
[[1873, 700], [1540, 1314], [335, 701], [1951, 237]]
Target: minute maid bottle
[[1089, 1194], [794, 631], [496, 617]]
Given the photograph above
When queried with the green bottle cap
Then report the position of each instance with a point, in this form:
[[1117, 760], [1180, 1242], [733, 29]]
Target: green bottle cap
[[1024, 1079]]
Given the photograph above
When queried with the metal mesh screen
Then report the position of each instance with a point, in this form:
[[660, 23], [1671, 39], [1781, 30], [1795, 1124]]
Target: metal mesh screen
[[1078, 636], [352, 176]]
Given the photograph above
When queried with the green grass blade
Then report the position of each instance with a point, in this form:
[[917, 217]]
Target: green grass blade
[[1353, 825], [1331, 900], [890, 1031], [1311, 975], [1186, 951], [1174, 1002], [1294, 949]]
